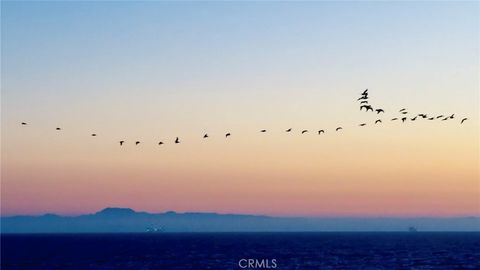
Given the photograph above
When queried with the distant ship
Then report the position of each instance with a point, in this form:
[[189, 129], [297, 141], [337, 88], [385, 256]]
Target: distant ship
[[154, 230], [412, 229]]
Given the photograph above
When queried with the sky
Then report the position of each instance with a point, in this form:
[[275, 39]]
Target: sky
[[152, 71]]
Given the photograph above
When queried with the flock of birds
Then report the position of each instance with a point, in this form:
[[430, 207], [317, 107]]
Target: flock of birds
[[364, 104]]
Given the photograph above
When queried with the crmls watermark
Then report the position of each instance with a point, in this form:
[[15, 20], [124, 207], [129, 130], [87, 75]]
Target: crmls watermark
[[257, 264]]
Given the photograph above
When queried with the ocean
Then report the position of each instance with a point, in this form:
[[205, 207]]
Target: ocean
[[335, 250]]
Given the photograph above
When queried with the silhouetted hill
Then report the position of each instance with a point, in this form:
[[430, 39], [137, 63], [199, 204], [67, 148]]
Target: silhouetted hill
[[127, 220], [110, 211]]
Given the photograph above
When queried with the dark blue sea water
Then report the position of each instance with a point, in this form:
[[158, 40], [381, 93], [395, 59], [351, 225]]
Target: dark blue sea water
[[226, 250]]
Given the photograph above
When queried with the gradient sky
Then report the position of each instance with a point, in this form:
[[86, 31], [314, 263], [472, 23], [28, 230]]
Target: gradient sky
[[152, 71]]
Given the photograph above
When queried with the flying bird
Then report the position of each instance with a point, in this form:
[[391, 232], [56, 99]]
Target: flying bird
[[379, 111], [365, 92], [367, 108], [414, 118], [404, 119], [93, 134], [378, 121], [463, 120], [321, 131], [263, 130], [363, 102], [440, 116], [422, 115], [288, 130], [304, 131], [445, 119], [24, 124], [160, 143], [402, 110], [205, 136], [137, 143], [394, 119], [451, 116], [228, 134], [431, 118], [177, 140], [58, 128], [121, 143], [338, 128], [363, 97], [362, 124]]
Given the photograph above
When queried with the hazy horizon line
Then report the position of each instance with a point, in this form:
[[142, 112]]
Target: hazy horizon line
[[243, 214]]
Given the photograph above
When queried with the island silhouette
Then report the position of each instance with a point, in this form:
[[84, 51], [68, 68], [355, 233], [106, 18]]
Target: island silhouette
[[119, 220]]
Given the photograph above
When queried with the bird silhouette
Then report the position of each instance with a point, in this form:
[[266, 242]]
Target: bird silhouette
[[363, 98], [121, 143], [394, 119], [24, 124], [93, 135], [58, 128], [404, 119], [414, 118], [288, 130], [365, 92], [422, 115], [227, 135], [402, 110], [160, 143], [137, 143], [304, 131], [177, 140], [321, 131], [463, 120], [440, 116], [379, 111], [431, 118], [378, 121], [338, 128], [367, 108], [205, 136], [451, 116], [362, 124], [263, 130], [363, 102], [445, 119]]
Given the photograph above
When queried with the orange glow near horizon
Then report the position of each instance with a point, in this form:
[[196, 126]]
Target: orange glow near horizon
[[392, 170]]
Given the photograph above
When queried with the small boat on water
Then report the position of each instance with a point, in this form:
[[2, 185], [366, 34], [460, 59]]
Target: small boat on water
[[412, 229], [154, 230]]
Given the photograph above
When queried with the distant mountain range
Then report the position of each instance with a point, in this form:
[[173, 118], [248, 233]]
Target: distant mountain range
[[116, 220]]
